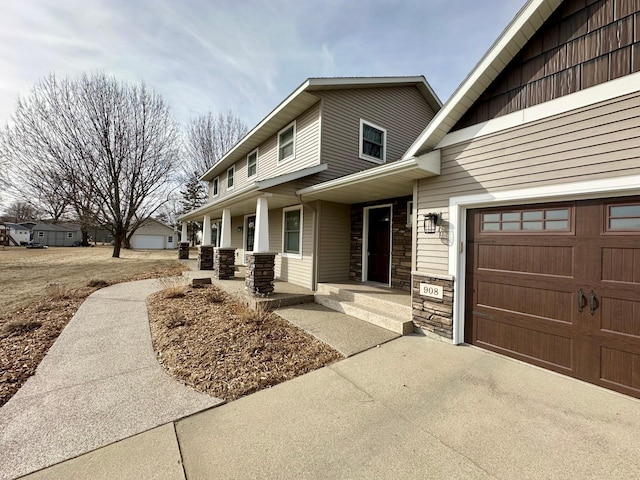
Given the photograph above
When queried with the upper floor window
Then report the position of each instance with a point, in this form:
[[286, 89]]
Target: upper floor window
[[252, 164], [373, 142], [214, 187], [230, 174], [287, 143]]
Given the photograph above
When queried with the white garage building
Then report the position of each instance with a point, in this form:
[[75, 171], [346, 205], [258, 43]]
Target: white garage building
[[154, 235]]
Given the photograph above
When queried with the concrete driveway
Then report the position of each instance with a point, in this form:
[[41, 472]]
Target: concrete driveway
[[412, 408]]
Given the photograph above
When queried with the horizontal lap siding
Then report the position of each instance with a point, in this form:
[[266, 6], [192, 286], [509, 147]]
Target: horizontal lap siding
[[602, 141], [334, 242], [402, 111], [307, 147]]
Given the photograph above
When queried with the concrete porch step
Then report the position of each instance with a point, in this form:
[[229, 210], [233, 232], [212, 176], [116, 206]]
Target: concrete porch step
[[344, 333], [393, 317]]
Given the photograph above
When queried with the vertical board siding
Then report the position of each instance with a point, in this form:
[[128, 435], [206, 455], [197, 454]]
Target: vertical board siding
[[402, 111], [582, 44], [334, 242], [293, 270], [596, 142]]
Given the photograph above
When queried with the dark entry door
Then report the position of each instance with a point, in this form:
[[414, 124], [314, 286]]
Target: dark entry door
[[250, 229], [559, 286], [379, 244]]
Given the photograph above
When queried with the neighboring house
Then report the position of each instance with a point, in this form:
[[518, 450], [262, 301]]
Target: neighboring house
[[537, 249], [19, 233], [319, 181], [154, 235], [56, 235]]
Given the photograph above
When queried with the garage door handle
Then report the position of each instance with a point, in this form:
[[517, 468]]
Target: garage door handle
[[592, 303], [581, 300]]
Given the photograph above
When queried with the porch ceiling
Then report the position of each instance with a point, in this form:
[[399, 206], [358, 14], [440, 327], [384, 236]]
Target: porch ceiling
[[386, 181]]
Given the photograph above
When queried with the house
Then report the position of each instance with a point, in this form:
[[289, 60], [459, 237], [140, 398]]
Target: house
[[19, 234], [535, 213], [154, 235], [319, 182], [56, 235]]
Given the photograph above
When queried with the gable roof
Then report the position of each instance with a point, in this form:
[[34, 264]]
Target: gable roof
[[524, 25], [49, 227], [302, 99]]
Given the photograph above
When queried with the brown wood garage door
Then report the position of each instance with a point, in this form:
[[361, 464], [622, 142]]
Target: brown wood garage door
[[558, 285]]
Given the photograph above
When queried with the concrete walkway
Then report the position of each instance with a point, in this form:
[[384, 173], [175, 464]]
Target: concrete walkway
[[414, 408], [99, 383]]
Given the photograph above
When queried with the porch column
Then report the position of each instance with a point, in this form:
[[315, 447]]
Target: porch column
[[206, 230], [224, 255], [225, 236], [183, 249], [260, 263], [261, 242]]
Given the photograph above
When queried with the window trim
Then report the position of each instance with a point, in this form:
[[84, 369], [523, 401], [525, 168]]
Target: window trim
[[570, 207], [410, 214], [215, 191], [255, 174], [231, 169], [284, 223], [293, 141], [369, 158], [607, 217]]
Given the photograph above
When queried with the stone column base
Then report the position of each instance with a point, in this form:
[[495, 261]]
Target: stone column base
[[205, 257], [433, 314], [260, 274], [183, 251], [224, 260]]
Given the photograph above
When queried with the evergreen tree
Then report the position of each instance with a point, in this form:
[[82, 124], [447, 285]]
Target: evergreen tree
[[193, 196]]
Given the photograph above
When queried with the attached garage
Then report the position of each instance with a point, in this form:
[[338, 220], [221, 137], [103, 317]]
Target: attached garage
[[558, 285]]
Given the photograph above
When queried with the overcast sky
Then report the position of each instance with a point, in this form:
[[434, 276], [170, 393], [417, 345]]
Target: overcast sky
[[242, 55]]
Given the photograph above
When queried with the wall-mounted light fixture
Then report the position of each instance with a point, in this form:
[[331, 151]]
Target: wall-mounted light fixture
[[239, 229], [431, 221]]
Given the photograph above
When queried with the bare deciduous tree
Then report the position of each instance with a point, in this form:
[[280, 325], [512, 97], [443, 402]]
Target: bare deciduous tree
[[109, 147], [209, 137]]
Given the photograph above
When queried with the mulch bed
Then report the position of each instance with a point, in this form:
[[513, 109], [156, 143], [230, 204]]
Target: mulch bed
[[27, 334], [215, 344]]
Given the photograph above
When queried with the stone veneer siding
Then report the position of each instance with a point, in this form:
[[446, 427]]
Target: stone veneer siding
[[260, 274], [400, 246], [432, 314], [205, 257], [183, 251], [224, 260]]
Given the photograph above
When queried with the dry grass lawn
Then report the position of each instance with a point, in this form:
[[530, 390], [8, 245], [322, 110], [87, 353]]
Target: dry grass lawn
[[42, 289]]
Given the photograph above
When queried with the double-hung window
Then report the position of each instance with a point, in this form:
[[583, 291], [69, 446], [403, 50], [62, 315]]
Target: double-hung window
[[292, 232], [252, 164], [230, 174], [287, 143], [214, 187], [373, 142]]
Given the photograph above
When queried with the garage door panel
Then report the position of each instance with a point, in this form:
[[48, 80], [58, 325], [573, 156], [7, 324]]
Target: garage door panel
[[620, 368], [619, 315], [621, 265], [528, 259], [540, 347], [539, 303]]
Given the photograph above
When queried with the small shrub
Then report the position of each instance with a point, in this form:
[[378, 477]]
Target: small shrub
[[98, 283], [215, 296], [56, 291], [18, 327], [176, 319], [173, 287], [174, 292]]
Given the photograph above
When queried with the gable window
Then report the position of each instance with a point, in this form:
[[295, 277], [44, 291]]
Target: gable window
[[214, 187], [252, 164], [373, 142], [230, 174], [287, 143], [292, 232]]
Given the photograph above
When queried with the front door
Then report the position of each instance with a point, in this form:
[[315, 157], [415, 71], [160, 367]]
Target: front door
[[250, 234], [378, 244]]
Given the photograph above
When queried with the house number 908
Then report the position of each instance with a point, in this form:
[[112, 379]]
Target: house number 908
[[433, 291]]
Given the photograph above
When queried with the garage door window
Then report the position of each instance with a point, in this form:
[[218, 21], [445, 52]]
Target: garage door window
[[623, 218], [529, 221]]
